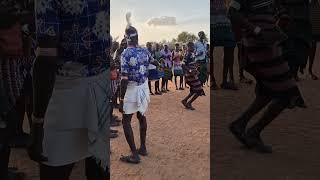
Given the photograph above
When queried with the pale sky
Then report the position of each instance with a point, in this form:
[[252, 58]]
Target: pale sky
[[191, 16]]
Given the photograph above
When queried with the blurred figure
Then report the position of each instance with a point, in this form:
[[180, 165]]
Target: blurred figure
[[275, 85], [71, 83], [223, 36], [192, 73]]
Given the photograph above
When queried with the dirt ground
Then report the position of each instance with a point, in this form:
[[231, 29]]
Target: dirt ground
[[177, 140], [295, 136]]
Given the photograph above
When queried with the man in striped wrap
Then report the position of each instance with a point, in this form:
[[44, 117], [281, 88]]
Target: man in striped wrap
[[275, 85], [191, 76]]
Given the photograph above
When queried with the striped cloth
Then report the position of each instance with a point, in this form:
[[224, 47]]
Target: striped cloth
[[13, 71], [264, 54], [192, 79], [222, 29]]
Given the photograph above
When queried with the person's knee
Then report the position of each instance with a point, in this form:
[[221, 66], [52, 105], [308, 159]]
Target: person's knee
[[141, 117]]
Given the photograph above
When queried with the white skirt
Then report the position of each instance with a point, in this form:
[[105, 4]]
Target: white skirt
[[137, 98], [77, 120]]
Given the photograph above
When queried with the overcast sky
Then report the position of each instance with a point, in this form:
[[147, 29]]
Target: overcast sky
[[184, 15]]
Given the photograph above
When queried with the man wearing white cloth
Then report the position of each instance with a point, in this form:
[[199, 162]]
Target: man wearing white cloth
[[71, 88], [134, 92]]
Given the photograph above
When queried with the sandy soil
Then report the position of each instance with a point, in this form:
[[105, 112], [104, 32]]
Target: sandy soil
[[177, 140], [295, 136]]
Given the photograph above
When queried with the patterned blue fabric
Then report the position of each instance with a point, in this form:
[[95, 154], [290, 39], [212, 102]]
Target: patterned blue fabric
[[81, 28], [135, 63]]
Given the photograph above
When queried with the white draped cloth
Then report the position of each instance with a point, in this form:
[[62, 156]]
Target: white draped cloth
[[77, 120], [137, 98]]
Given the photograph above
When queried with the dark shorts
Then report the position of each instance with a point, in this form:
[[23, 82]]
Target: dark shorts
[[223, 37]]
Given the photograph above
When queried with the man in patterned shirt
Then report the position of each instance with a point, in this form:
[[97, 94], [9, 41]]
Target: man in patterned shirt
[[71, 88], [135, 95]]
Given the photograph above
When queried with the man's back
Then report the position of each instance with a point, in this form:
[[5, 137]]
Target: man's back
[[81, 30], [135, 62]]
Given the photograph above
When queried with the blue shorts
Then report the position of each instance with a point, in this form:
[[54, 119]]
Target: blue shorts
[[223, 37]]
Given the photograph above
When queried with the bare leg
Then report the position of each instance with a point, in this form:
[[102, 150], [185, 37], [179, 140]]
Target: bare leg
[[253, 138], [143, 134], [189, 104], [175, 82], [238, 127], [126, 123], [311, 59]]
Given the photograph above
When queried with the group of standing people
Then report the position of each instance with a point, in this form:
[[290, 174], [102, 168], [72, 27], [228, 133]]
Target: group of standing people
[[134, 68], [275, 39]]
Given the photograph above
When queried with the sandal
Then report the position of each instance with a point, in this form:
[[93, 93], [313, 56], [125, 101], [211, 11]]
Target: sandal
[[130, 159], [184, 103], [142, 152], [189, 106]]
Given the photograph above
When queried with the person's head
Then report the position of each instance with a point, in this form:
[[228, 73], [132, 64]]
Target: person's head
[[123, 43], [149, 45], [190, 47], [166, 47], [177, 46], [157, 47], [131, 33], [184, 47], [201, 35]]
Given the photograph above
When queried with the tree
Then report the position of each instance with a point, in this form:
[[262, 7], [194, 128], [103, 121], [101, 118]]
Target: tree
[[185, 37]]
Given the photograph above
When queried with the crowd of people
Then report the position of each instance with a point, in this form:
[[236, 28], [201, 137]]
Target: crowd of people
[[275, 40], [136, 71]]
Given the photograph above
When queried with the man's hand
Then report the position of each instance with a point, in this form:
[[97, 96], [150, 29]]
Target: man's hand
[[35, 147], [123, 90]]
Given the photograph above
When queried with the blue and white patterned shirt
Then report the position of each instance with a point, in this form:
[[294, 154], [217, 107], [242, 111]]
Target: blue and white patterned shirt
[[200, 47], [135, 63], [81, 28]]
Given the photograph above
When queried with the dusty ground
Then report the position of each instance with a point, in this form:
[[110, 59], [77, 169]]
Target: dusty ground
[[178, 143], [177, 140], [295, 136]]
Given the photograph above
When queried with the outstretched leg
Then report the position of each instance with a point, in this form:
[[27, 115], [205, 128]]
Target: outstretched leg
[[143, 134], [253, 138], [238, 127], [311, 59], [185, 100], [189, 104]]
